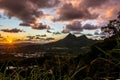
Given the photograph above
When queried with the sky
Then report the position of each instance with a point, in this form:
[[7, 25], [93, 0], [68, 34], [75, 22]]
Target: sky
[[51, 20]]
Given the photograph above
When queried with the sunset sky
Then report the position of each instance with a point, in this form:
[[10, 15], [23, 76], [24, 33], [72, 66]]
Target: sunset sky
[[50, 20]]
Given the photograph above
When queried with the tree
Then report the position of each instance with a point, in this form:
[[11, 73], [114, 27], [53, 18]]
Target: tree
[[113, 26]]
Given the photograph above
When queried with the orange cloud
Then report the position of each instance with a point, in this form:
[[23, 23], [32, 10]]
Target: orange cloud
[[109, 13]]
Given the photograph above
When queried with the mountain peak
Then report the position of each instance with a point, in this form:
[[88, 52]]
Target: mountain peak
[[72, 41], [83, 36], [70, 36]]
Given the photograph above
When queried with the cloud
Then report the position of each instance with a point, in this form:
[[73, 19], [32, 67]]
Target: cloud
[[56, 33], [90, 27], [39, 38], [98, 34], [48, 31], [78, 27], [50, 38], [76, 32], [86, 9], [24, 24], [46, 3], [43, 35], [29, 11], [30, 37], [36, 37], [74, 26], [45, 39], [1, 37], [14, 30], [93, 3], [65, 31], [69, 12], [23, 10], [88, 34], [79, 9], [40, 26]]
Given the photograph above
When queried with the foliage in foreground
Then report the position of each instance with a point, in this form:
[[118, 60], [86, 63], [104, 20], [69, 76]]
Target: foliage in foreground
[[102, 62]]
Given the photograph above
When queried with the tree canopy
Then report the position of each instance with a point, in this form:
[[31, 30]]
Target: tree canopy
[[113, 27]]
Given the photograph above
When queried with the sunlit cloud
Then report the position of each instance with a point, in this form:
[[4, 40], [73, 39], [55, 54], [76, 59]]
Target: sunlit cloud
[[47, 14], [28, 11]]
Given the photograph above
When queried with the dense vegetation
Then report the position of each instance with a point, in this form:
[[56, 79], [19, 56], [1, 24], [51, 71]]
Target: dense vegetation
[[100, 62]]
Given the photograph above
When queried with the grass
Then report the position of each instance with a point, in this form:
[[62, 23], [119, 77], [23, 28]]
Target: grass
[[53, 70], [44, 72], [66, 67]]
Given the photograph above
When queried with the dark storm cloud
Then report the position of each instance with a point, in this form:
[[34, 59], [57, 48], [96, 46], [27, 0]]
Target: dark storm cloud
[[41, 26], [23, 10], [24, 24], [90, 27], [74, 26], [30, 11], [68, 12], [87, 9], [14, 30], [93, 3], [77, 26], [38, 26], [46, 3], [26, 10]]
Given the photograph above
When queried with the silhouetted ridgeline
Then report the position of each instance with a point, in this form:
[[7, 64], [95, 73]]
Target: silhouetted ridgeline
[[71, 41]]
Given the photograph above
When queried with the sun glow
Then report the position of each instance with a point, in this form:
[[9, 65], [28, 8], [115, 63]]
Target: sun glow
[[10, 41]]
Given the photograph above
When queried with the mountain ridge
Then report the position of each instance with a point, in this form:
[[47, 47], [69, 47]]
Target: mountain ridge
[[72, 41]]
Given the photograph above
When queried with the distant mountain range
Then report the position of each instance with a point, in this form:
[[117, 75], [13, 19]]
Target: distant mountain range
[[72, 41]]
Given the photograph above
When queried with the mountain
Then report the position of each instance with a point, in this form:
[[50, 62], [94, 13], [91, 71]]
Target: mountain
[[72, 41], [69, 37]]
